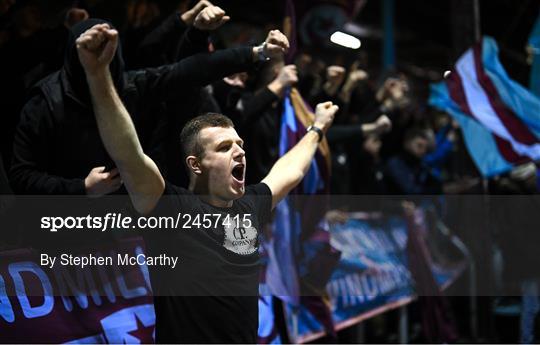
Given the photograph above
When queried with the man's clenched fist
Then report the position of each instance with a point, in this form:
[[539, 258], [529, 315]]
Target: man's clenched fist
[[275, 45], [189, 16], [324, 115], [335, 74], [383, 124], [96, 48], [288, 75], [210, 18]]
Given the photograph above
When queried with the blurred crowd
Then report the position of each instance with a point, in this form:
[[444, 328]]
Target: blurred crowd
[[384, 141]]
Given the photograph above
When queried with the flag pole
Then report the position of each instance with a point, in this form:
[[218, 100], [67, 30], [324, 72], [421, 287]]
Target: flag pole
[[476, 13], [389, 54]]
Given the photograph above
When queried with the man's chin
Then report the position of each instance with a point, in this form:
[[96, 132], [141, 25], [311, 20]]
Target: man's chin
[[238, 191]]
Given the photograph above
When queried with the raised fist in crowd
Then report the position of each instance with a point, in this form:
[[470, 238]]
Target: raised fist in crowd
[[383, 124], [334, 77], [96, 48], [324, 115], [189, 16], [288, 76], [335, 74], [275, 45], [357, 76], [394, 94], [210, 18]]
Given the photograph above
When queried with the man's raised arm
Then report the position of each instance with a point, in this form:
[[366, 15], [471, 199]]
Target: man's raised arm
[[290, 169], [96, 48]]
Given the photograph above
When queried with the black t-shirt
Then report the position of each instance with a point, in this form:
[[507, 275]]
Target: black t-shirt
[[211, 296]]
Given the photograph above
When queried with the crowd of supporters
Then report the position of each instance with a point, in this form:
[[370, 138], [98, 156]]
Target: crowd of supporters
[[385, 139]]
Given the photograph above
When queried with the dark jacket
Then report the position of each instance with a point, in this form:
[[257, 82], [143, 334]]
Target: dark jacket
[[169, 42], [23, 62], [166, 44], [260, 118], [57, 141]]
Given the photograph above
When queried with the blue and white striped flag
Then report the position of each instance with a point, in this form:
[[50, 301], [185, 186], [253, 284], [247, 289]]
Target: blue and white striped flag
[[500, 119]]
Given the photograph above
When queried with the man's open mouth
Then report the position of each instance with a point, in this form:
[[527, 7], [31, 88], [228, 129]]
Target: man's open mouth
[[238, 172]]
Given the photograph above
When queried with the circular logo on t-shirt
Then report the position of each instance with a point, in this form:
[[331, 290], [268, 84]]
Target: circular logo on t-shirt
[[240, 240]]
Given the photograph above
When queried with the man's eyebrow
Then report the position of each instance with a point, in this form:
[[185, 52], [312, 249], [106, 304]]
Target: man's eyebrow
[[223, 142], [230, 141]]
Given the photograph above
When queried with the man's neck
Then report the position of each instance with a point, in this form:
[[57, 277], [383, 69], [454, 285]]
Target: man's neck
[[207, 197]]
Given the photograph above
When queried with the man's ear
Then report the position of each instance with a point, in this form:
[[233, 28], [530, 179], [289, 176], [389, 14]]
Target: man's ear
[[194, 165]]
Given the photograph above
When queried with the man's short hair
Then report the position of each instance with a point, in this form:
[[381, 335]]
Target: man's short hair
[[189, 137]]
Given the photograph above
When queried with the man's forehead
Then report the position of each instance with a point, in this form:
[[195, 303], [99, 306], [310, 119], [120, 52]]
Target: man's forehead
[[216, 135]]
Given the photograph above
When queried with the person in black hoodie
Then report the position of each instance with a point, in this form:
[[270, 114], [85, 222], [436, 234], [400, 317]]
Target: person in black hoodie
[[178, 37], [57, 148], [32, 49]]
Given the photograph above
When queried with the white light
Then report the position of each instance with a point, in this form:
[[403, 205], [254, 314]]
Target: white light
[[446, 74], [345, 40]]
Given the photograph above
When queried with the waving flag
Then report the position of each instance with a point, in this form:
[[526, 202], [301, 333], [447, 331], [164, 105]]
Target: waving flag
[[291, 225], [500, 119], [300, 258]]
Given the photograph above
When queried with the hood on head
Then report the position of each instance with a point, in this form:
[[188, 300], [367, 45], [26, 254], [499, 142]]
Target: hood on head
[[72, 66]]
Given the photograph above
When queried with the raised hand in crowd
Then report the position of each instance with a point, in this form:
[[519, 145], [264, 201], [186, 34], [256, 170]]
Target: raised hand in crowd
[[394, 94], [291, 168], [210, 18], [190, 15], [274, 46], [324, 115], [100, 182], [383, 124], [357, 76], [96, 48], [334, 77], [287, 77], [353, 79]]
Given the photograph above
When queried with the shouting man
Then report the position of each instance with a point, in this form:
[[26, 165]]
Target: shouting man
[[212, 295]]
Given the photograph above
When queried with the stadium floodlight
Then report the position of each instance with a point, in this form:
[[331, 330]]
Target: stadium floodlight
[[345, 40]]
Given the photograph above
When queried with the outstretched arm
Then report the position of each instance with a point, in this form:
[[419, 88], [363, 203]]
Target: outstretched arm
[[96, 48], [290, 169], [166, 82]]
